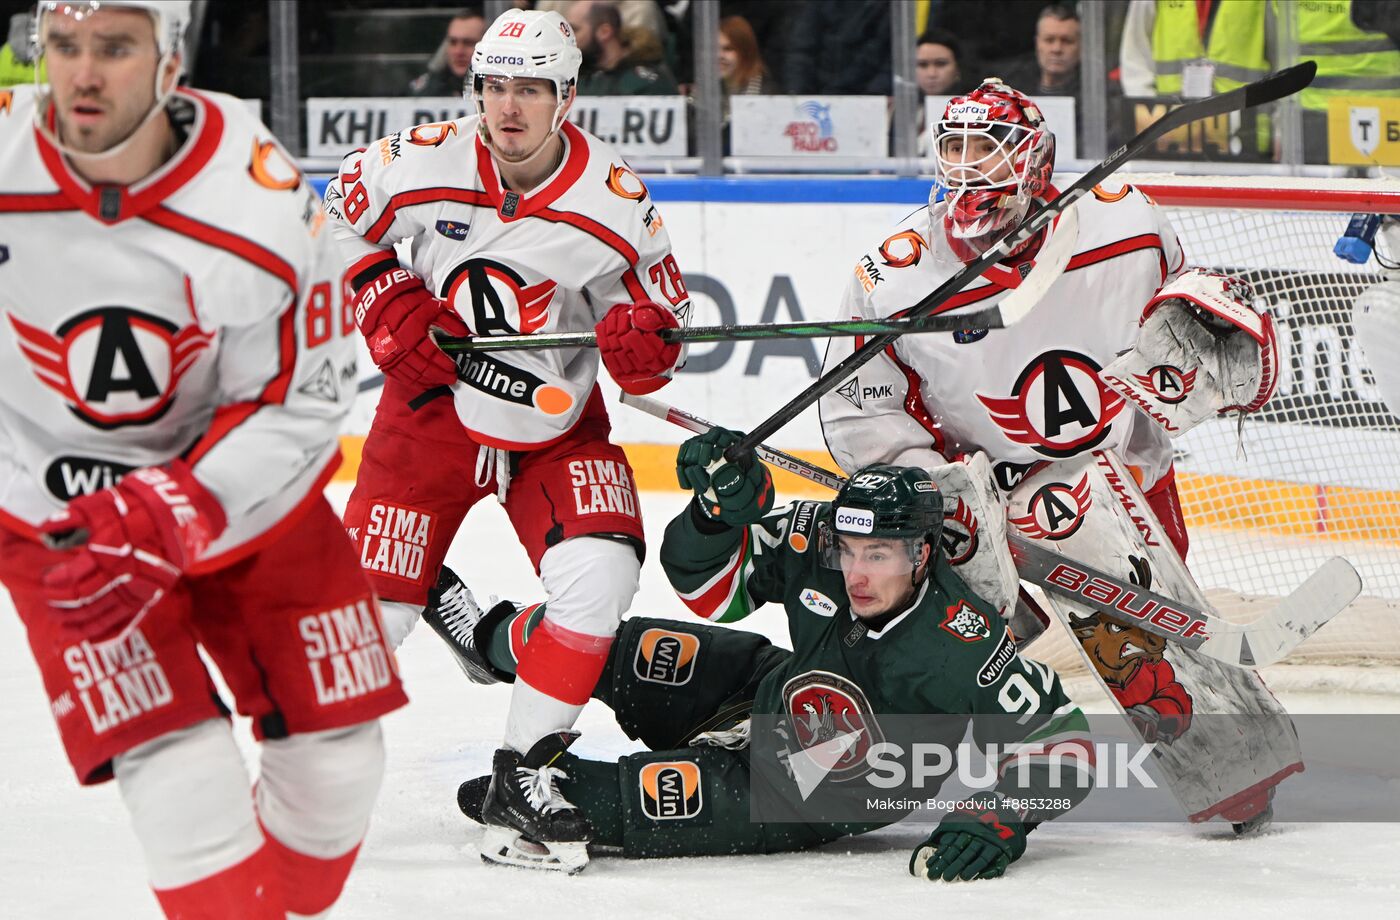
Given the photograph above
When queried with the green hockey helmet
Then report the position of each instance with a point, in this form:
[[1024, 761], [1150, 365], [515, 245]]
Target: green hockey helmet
[[901, 503]]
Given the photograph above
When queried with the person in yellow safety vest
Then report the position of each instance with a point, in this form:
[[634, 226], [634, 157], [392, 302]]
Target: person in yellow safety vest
[[1193, 48], [14, 68], [1200, 47]]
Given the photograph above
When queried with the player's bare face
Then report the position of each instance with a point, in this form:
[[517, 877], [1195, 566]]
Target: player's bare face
[[519, 115], [879, 574], [974, 159], [102, 70]]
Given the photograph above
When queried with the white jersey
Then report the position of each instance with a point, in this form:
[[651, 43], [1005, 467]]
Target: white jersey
[[1026, 394], [198, 313], [555, 260]]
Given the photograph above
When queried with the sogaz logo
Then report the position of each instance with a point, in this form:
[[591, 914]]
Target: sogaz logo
[[855, 520]]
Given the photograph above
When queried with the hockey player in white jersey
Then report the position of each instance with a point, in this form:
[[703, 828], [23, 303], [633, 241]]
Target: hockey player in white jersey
[[516, 222], [176, 363], [1124, 351]]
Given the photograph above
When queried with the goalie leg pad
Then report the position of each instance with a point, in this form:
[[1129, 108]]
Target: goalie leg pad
[[1111, 526]]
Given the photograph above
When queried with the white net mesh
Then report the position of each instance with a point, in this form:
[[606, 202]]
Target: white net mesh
[[1316, 473]]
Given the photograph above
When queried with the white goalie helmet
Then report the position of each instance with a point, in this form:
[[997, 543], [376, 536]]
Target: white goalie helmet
[[526, 44], [171, 19]]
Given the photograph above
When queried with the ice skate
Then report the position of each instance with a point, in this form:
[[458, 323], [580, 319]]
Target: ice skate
[[453, 614], [528, 821]]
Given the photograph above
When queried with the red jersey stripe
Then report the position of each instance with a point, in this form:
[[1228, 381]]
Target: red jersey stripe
[[245, 249], [408, 199]]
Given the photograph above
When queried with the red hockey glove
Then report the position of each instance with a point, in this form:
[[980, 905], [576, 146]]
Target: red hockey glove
[[397, 315], [633, 352], [131, 543]]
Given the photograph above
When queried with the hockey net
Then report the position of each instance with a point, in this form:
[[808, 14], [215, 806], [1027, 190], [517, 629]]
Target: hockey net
[[1317, 472]]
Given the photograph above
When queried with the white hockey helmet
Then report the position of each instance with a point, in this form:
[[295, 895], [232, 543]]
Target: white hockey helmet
[[171, 19], [528, 44]]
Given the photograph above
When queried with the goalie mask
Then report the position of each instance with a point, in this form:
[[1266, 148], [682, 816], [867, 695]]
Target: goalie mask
[[527, 44], [882, 517], [994, 157], [170, 19]]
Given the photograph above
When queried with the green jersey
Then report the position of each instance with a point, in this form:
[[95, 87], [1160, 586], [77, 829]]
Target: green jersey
[[947, 652]]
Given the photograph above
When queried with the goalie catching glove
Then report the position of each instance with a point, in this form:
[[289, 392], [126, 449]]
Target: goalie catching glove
[[131, 543], [1203, 350]]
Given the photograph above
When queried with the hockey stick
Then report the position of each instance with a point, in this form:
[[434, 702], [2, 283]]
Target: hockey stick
[[1273, 87], [1265, 641], [1049, 264]]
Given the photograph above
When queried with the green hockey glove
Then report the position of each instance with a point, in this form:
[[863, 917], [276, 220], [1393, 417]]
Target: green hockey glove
[[736, 494], [978, 840]]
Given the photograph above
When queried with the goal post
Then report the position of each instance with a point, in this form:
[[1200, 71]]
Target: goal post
[[1316, 473]]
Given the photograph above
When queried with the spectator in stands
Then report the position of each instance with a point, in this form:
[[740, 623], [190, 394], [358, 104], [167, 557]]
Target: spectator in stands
[[1192, 50], [1053, 68], [939, 65], [741, 68], [994, 32], [449, 72], [615, 64], [840, 47], [940, 69]]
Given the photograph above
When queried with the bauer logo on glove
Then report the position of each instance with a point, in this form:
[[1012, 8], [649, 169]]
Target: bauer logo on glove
[[1203, 349]]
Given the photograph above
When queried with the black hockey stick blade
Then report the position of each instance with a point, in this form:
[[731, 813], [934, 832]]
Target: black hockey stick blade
[[1271, 88]]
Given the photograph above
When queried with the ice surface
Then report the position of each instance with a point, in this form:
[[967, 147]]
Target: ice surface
[[67, 852]]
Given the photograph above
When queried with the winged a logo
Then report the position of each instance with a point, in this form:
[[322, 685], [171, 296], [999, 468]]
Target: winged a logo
[[113, 366]]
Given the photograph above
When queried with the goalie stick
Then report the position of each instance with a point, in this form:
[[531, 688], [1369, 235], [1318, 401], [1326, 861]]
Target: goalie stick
[[1273, 87], [1049, 264], [1265, 641]]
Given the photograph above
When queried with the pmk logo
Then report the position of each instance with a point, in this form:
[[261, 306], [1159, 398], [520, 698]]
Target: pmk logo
[[113, 366], [1168, 384], [670, 790], [666, 657], [1058, 406], [1055, 511]]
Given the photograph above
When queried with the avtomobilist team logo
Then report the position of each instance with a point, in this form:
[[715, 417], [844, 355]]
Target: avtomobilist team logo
[[666, 657], [959, 536], [113, 366], [823, 706], [1055, 510], [670, 790], [1169, 384], [1058, 406], [498, 300]]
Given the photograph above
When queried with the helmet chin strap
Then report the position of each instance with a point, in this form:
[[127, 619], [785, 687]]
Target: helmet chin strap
[[555, 124], [45, 99]]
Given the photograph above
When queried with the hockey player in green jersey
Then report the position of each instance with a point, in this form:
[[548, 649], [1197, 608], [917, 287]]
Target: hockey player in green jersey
[[880, 626]]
